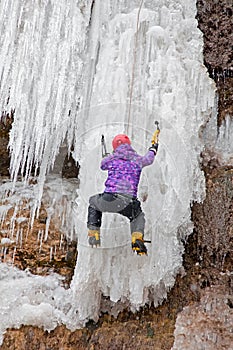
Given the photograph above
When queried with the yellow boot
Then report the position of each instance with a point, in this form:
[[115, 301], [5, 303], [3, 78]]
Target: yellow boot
[[138, 245], [94, 237]]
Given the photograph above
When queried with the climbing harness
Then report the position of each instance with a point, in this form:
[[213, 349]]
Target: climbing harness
[[134, 64]]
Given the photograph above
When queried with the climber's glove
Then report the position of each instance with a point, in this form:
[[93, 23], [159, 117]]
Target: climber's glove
[[154, 148], [105, 155]]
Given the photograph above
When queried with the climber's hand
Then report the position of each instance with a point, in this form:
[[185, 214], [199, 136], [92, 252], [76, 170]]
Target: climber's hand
[[154, 148]]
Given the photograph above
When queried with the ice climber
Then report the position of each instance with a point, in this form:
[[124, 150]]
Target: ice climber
[[120, 195]]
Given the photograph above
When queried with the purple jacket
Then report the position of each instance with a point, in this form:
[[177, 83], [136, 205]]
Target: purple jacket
[[124, 169]]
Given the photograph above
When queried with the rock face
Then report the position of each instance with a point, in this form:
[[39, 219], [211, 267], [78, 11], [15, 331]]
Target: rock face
[[215, 21], [208, 322], [199, 306], [5, 126]]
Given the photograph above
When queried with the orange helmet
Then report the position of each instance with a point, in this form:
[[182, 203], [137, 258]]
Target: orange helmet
[[120, 140]]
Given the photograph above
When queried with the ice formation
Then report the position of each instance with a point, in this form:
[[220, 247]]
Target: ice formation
[[67, 70], [27, 299], [219, 139], [206, 325]]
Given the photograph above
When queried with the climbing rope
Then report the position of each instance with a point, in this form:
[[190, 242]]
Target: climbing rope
[[134, 64]]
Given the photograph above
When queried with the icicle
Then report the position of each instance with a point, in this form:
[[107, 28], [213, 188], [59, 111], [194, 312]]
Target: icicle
[[47, 226], [42, 68], [4, 253], [51, 254], [38, 236], [41, 240], [21, 237], [61, 242], [3, 212], [13, 256], [17, 237]]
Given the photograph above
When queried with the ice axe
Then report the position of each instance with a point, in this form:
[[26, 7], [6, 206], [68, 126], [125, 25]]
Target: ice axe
[[155, 137], [104, 148]]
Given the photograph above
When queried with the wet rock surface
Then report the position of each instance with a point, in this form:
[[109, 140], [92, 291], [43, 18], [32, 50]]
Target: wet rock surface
[[215, 21], [29, 250], [207, 323], [5, 126], [199, 306]]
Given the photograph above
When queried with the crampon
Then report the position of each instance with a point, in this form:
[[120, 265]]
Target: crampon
[[94, 238], [138, 245]]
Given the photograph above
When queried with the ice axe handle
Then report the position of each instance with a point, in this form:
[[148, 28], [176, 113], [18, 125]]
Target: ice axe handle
[[155, 137], [104, 148]]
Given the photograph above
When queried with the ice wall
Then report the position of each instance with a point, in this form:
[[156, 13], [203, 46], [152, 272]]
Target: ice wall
[[172, 86], [67, 69]]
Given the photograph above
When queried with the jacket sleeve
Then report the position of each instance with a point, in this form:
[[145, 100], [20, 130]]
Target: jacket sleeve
[[105, 162], [147, 159]]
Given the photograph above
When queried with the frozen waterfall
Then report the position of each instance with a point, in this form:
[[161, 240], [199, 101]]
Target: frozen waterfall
[[67, 69]]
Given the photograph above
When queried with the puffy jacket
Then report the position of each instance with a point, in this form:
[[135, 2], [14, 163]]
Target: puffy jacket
[[124, 169]]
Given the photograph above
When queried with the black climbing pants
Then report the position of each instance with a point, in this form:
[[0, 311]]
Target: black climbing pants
[[115, 203]]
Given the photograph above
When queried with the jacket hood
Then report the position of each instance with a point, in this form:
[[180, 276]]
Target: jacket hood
[[125, 152]]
